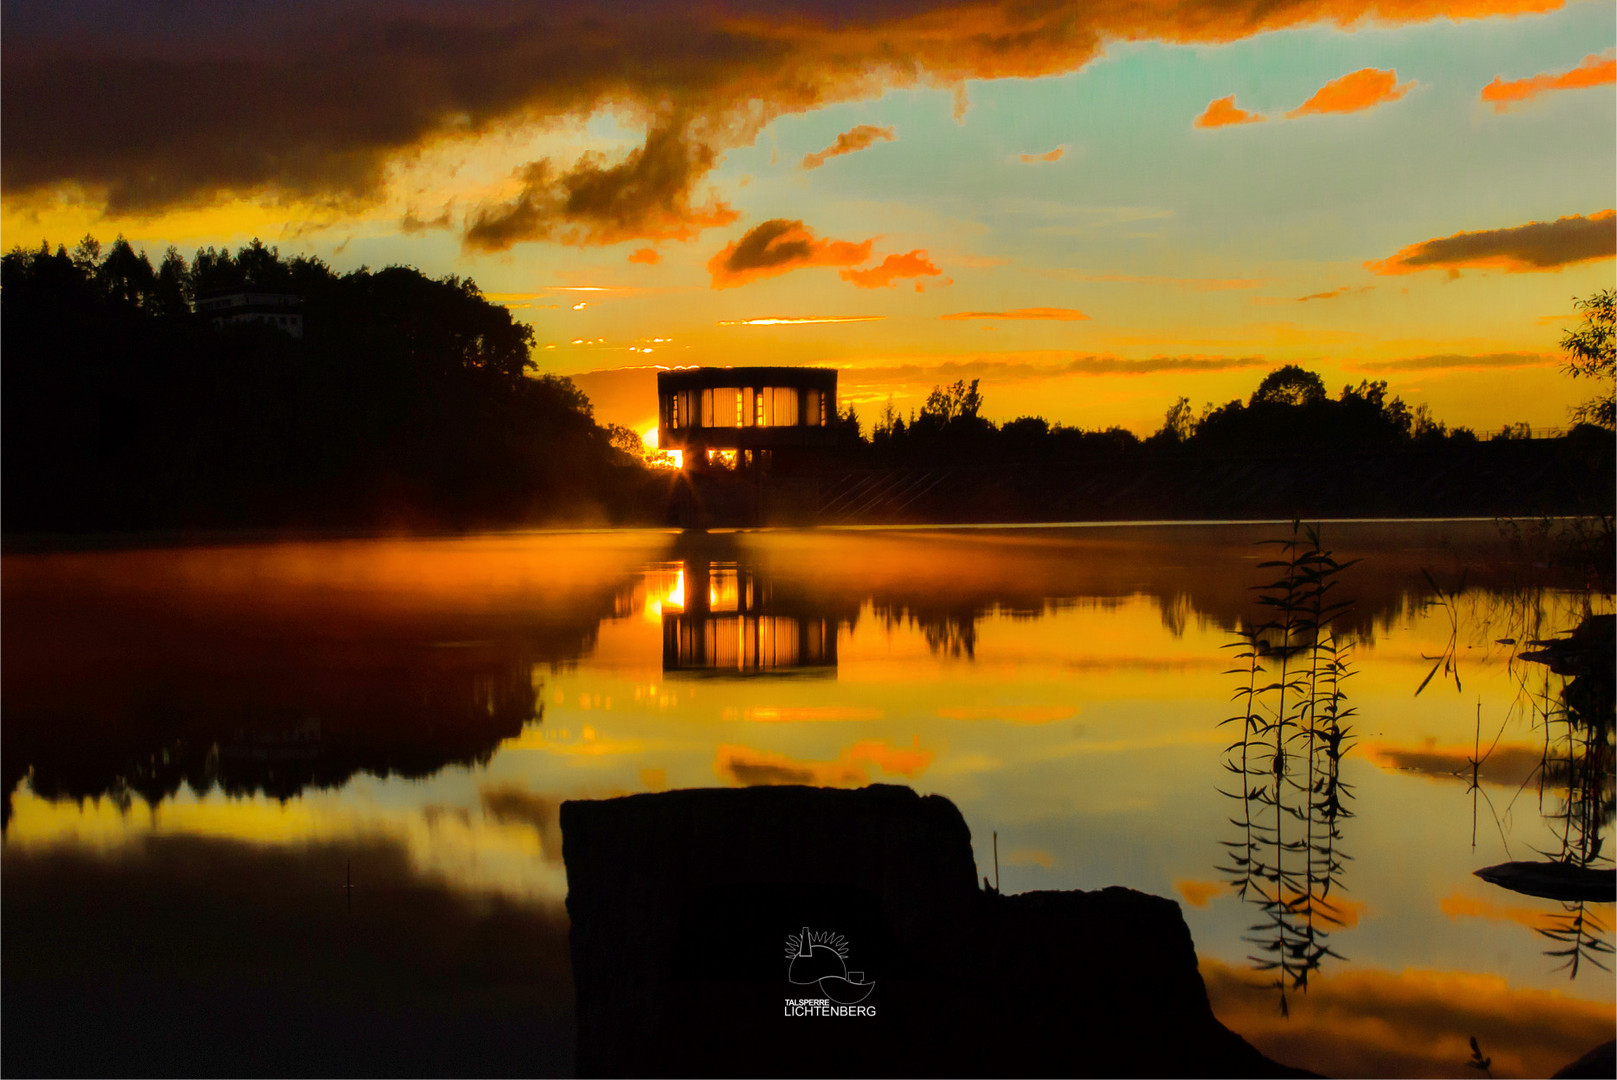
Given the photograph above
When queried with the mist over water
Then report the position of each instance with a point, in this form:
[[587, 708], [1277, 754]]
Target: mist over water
[[204, 747]]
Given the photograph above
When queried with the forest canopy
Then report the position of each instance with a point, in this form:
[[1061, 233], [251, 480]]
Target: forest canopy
[[406, 400]]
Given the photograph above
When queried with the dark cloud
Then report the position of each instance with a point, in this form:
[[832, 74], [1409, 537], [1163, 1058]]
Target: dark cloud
[[1538, 245], [777, 246], [414, 223], [1440, 361], [647, 195], [145, 108], [854, 139], [517, 805]]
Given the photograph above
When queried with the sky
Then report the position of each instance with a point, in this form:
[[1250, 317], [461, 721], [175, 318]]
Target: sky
[[1094, 208]]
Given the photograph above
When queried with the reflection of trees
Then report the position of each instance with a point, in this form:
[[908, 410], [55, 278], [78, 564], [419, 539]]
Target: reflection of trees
[[949, 631], [1575, 783], [1286, 860], [230, 711]]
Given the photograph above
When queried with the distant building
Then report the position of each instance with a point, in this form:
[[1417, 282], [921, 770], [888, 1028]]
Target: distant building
[[284, 311], [746, 417]]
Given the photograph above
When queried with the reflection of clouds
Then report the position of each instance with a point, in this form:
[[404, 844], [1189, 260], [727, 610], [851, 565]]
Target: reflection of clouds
[[748, 767], [244, 958], [507, 803], [1507, 765], [1459, 906], [1030, 857], [481, 850], [1358, 1022], [1199, 893]]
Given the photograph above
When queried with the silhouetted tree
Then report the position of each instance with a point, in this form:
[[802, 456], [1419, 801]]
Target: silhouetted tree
[[408, 399], [1591, 353], [1290, 385]]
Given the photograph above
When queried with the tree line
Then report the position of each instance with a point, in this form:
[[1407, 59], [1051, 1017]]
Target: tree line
[[408, 401], [1291, 411]]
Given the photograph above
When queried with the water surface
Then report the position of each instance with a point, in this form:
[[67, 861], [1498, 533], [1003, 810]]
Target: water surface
[[292, 807]]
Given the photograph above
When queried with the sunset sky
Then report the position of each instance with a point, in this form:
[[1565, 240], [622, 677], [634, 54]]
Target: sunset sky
[[1092, 207]]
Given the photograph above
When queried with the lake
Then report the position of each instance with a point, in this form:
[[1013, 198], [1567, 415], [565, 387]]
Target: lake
[[291, 808]]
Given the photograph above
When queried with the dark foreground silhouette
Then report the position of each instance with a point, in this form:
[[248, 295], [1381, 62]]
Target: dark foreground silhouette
[[688, 910]]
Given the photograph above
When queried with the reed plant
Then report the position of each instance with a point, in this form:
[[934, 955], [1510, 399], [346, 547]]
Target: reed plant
[[1292, 721]]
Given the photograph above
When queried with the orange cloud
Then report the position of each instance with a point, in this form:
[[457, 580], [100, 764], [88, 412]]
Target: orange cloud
[[776, 247], [1052, 314], [857, 138], [1048, 155], [1030, 857], [911, 265], [1594, 71], [1355, 92], [1223, 112], [1198, 893], [752, 768], [648, 256], [1538, 245]]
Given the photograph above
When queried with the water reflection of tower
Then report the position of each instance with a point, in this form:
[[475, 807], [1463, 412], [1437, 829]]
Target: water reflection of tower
[[729, 620]]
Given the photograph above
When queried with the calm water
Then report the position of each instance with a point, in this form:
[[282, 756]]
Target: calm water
[[205, 748]]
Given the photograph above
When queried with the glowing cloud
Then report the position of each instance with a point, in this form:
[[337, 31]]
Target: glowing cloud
[[1538, 245], [913, 264], [848, 142], [776, 247], [1223, 113], [1050, 314], [1048, 155], [1355, 92], [1594, 71], [645, 256]]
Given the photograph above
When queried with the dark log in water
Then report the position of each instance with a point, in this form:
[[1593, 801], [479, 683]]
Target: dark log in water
[[1553, 880], [715, 931]]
